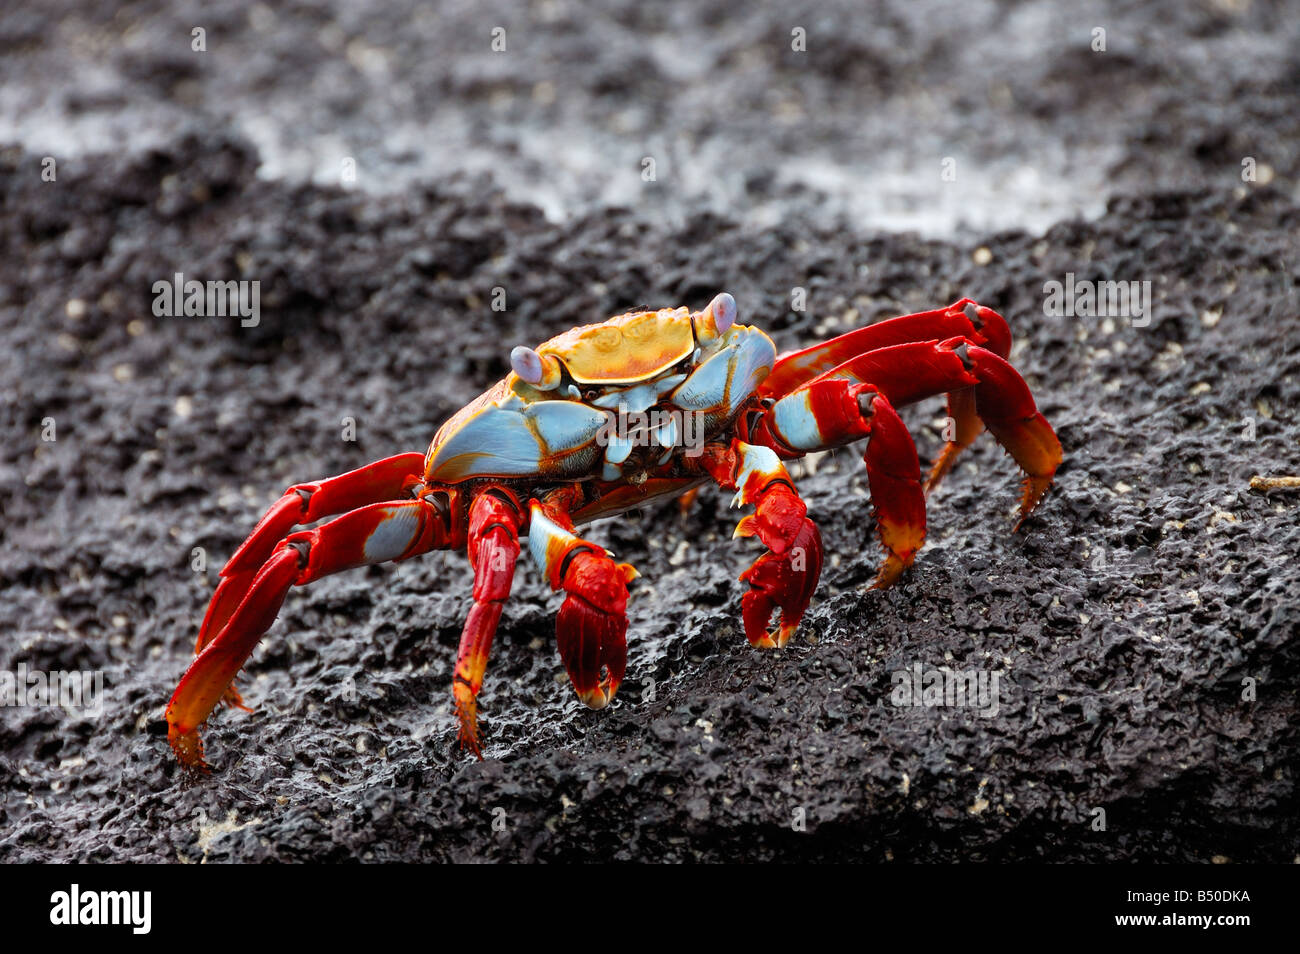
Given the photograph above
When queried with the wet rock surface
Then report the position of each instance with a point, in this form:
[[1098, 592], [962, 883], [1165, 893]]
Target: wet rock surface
[[1142, 624]]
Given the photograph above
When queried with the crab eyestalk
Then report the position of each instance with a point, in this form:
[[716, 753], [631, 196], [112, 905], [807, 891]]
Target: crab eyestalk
[[541, 371], [715, 320]]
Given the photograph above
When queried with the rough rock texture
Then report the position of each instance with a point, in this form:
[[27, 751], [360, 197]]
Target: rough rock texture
[[1122, 619]]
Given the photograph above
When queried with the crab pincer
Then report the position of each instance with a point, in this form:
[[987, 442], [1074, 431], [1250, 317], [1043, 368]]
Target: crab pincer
[[591, 627], [784, 578]]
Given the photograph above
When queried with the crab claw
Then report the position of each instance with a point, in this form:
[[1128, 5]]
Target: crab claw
[[591, 628], [785, 577]]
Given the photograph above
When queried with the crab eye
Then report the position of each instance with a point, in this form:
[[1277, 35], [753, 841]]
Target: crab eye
[[527, 364], [541, 371], [717, 319], [723, 309]]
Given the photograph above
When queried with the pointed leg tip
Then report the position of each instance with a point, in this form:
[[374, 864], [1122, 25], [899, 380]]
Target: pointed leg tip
[[892, 569], [884, 579], [470, 745], [467, 716], [188, 748], [1035, 488], [467, 734], [595, 699]]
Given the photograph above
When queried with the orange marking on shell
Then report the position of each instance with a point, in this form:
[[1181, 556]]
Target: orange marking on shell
[[625, 349]]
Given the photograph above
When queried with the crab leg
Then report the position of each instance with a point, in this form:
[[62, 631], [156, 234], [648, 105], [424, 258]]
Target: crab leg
[[785, 577], [591, 627], [964, 318], [376, 533], [493, 551], [966, 426], [912, 372], [302, 503], [831, 412], [857, 399]]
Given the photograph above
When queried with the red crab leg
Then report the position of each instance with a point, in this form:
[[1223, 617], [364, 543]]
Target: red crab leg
[[785, 577], [1002, 400], [830, 412], [591, 627], [301, 503], [493, 550], [373, 534], [911, 372], [963, 318], [894, 476], [966, 426]]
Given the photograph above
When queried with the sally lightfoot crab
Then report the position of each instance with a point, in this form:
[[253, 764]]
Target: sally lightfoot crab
[[602, 419]]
